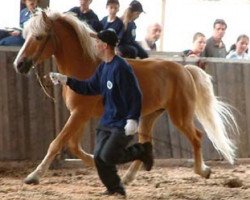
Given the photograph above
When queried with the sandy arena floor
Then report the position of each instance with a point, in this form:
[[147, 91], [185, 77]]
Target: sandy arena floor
[[161, 183]]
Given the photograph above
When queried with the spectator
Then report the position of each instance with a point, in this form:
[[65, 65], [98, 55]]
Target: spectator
[[112, 21], [199, 44], [240, 48], [153, 34], [215, 47], [116, 82], [14, 37], [128, 47], [84, 13]]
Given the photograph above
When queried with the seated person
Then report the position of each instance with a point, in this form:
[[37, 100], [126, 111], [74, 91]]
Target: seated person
[[128, 47], [199, 44], [153, 34], [4, 33], [112, 21], [240, 48], [84, 13], [14, 37]]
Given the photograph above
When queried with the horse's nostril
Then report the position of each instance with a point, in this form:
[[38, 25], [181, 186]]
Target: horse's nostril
[[19, 65], [24, 65]]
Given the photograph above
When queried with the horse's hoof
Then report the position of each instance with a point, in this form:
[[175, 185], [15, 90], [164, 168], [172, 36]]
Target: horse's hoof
[[31, 180], [206, 173]]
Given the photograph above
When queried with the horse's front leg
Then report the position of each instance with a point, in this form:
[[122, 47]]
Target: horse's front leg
[[75, 148], [71, 127]]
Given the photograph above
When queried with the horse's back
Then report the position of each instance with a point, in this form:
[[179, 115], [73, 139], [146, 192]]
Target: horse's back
[[156, 65], [160, 81], [159, 72]]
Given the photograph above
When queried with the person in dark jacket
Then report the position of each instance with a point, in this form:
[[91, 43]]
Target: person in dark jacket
[[112, 21], [215, 47], [128, 46], [14, 37], [115, 80], [84, 13]]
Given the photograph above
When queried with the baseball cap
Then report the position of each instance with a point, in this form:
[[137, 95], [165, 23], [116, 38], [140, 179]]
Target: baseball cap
[[136, 6], [108, 36]]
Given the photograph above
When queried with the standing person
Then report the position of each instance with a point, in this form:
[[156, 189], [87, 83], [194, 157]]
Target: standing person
[[14, 37], [84, 13], [240, 48], [215, 47], [128, 47], [152, 36], [112, 21], [115, 81], [199, 44]]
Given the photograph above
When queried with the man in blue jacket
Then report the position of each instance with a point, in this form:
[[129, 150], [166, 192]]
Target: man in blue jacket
[[115, 81]]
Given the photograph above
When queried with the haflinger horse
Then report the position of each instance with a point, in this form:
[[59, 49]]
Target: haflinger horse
[[185, 92]]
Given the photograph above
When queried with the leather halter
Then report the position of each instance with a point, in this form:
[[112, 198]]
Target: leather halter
[[50, 34]]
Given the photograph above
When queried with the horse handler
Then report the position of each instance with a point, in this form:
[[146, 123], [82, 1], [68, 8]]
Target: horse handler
[[114, 79]]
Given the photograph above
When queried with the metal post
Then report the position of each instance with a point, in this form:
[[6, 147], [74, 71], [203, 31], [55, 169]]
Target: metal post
[[163, 8]]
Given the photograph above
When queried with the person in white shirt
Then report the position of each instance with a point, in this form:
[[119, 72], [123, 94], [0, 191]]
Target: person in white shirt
[[240, 48], [153, 34]]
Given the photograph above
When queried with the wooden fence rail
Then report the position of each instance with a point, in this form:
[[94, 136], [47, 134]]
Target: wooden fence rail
[[29, 120]]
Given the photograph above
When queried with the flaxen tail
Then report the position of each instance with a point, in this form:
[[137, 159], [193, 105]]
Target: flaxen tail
[[214, 115]]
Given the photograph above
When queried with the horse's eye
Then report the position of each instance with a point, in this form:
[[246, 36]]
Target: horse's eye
[[39, 37]]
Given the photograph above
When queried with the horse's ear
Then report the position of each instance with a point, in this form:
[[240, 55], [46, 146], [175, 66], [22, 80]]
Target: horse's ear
[[47, 21]]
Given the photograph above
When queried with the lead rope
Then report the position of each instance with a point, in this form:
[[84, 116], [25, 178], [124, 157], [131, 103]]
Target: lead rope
[[42, 85]]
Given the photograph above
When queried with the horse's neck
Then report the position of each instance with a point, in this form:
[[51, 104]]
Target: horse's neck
[[70, 57]]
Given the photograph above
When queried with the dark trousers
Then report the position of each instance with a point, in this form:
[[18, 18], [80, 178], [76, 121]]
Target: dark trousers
[[111, 149], [3, 34], [12, 41], [132, 51]]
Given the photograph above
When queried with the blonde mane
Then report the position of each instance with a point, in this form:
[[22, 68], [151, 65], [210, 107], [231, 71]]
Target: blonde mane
[[36, 26]]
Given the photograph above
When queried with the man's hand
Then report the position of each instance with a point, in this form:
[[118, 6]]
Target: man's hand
[[15, 33], [131, 127], [58, 78]]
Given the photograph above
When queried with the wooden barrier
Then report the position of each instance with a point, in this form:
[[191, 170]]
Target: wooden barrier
[[29, 120], [27, 116]]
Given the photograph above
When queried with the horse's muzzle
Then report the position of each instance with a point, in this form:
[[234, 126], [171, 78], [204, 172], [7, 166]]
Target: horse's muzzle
[[24, 65]]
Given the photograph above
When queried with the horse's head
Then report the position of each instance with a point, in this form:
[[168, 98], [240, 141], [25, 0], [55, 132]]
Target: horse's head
[[39, 43]]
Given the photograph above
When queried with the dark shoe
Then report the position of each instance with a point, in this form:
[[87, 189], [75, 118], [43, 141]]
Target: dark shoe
[[119, 191], [147, 157]]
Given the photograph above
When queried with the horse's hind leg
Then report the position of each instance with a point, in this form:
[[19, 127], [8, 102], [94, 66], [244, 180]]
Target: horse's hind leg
[[72, 125], [144, 133], [75, 148], [186, 125]]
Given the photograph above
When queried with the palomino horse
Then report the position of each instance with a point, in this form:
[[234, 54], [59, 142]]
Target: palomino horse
[[184, 92]]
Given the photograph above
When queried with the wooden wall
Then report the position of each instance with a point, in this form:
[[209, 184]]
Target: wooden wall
[[29, 120], [27, 116]]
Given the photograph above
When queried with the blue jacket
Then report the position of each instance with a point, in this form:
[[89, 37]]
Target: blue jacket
[[90, 18], [117, 25], [129, 34], [25, 14], [116, 82]]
